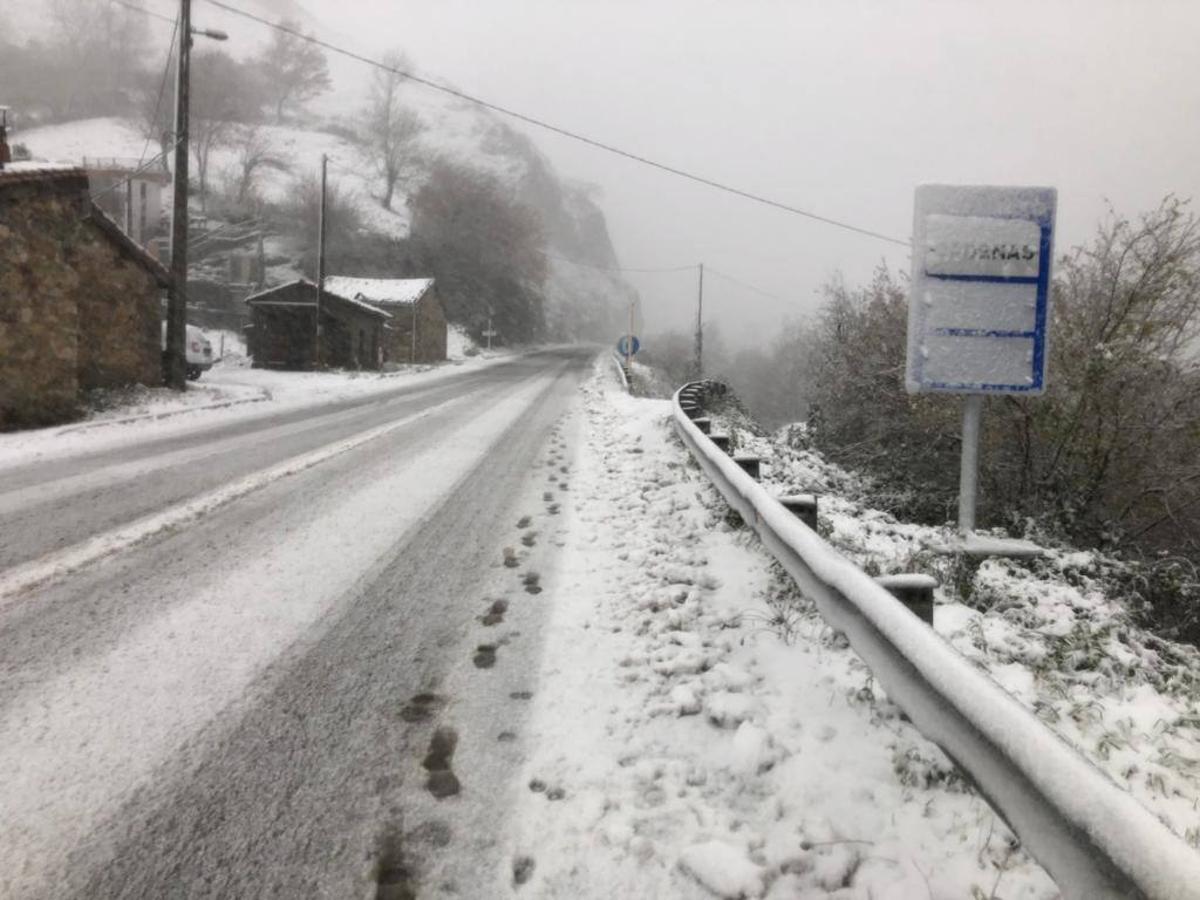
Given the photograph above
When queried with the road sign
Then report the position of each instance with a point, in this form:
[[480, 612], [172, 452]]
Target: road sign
[[624, 347], [980, 301]]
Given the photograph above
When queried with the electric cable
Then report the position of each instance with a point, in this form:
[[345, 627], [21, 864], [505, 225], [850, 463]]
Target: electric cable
[[547, 126], [162, 86]]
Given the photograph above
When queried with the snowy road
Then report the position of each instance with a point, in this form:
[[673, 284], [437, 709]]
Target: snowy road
[[227, 708]]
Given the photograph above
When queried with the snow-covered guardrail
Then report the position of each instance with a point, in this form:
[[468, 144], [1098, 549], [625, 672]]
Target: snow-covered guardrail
[[1094, 839], [619, 362]]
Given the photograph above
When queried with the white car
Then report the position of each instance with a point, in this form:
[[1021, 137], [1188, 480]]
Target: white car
[[198, 351]]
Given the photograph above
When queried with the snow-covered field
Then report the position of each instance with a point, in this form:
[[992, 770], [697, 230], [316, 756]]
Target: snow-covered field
[[1045, 630], [700, 733]]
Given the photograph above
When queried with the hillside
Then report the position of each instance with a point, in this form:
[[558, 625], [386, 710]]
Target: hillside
[[579, 302]]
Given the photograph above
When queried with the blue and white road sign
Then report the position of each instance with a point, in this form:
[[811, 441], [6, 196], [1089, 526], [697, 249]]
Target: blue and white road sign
[[980, 304], [623, 344]]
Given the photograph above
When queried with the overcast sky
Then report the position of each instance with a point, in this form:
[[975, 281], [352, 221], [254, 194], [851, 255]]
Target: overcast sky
[[838, 107]]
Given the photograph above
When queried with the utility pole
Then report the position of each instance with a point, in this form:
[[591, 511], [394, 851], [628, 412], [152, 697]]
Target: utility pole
[[700, 328], [177, 297], [320, 265]]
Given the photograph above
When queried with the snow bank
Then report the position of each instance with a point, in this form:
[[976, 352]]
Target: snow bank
[[711, 734]]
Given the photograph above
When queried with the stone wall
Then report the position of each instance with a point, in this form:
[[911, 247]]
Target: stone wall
[[120, 317], [431, 332], [39, 319], [76, 310]]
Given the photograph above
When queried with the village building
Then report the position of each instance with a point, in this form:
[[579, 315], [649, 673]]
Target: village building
[[131, 194], [282, 333], [80, 302], [416, 331]]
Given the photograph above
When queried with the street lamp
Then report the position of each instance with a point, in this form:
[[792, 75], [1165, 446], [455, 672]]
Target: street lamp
[[177, 297]]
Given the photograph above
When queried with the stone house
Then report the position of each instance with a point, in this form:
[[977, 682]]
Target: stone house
[[80, 302], [282, 329], [416, 331]]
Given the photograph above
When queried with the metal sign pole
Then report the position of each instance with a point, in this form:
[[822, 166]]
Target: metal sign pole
[[968, 482], [629, 340]]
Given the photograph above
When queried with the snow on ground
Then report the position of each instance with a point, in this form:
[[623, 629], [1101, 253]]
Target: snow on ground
[[459, 344], [230, 391], [1043, 629], [700, 733]]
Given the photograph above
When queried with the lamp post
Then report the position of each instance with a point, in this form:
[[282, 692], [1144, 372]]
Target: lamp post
[[177, 297]]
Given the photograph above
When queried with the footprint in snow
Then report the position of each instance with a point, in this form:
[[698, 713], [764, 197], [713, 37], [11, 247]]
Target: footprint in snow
[[421, 708], [485, 656], [442, 782], [495, 613], [522, 869]]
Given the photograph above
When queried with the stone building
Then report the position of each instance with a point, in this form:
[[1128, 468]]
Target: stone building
[[80, 302], [416, 331], [282, 329]]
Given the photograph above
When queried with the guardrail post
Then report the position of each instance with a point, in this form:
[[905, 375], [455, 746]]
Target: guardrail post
[[803, 507], [720, 441], [704, 423], [751, 465], [914, 591]]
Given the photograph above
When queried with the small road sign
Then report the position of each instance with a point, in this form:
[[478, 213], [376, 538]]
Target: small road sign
[[979, 307], [625, 348]]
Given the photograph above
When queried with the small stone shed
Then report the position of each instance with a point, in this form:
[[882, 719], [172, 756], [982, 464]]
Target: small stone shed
[[416, 329], [80, 302], [282, 329]]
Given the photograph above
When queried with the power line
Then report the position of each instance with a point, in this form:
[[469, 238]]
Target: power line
[[747, 285], [692, 268], [576, 262], [541, 123], [162, 85], [144, 11], [142, 168]]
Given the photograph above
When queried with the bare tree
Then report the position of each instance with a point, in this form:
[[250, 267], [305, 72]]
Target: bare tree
[[484, 247], [294, 70], [225, 93], [389, 128], [255, 153]]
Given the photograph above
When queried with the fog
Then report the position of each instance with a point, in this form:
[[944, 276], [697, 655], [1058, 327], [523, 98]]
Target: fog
[[837, 108]]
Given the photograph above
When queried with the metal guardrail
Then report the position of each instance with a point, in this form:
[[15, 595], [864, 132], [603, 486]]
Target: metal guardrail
[[626, 382], [1095, 839]]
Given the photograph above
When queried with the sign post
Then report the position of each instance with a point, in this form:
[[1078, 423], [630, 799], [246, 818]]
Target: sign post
[[979, 311]]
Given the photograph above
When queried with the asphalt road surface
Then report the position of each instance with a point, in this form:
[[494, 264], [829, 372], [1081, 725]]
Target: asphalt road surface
[[297, 690]]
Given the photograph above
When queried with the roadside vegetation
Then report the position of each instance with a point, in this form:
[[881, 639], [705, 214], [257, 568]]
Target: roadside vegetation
[[1107, 459]]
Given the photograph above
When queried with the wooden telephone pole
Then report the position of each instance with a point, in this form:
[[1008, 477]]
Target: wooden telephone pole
[[177, 297], [320, 265], [176, 368]]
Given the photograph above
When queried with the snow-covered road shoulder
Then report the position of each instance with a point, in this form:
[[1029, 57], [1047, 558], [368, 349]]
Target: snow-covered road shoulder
[[230, 392], [695, 736]]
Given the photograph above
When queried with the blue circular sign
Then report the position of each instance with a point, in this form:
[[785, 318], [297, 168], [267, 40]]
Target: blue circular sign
[[623, 345]]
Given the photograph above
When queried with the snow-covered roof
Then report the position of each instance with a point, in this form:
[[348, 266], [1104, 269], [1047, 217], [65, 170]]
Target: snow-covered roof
[[37, 171], [265, 298], [388, 291]]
